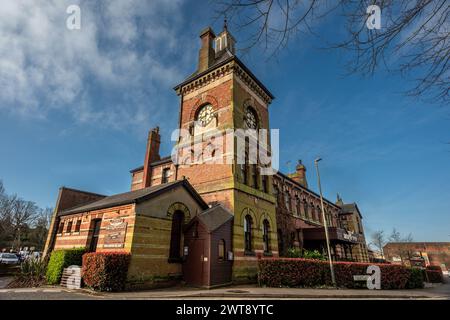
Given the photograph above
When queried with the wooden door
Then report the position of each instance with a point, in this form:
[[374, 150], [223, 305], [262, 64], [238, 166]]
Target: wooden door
[[193, 266]]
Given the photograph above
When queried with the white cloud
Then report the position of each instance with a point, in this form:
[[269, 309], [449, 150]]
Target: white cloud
[[44, 67]]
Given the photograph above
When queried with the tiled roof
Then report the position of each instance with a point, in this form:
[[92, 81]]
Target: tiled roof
[[215, 217], [132, 197]]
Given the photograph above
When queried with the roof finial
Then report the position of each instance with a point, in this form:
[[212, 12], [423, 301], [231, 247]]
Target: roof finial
[[225, 23]]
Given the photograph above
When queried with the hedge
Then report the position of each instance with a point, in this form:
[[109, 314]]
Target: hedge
[[105, 271], [434, 276], [315, 273], [61, 259]]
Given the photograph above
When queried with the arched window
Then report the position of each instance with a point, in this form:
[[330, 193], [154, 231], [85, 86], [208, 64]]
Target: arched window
[[251, 119], [319, 214], [266, 236], [276, 194], [313, 211], [287, 200], [222, 250], [248, 233], [176, 236], [305, 209]]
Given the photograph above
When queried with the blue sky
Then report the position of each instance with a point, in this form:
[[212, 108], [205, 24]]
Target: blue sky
[[75, 108]]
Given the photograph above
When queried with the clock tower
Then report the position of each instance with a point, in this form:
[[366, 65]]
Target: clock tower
[[219, 101]]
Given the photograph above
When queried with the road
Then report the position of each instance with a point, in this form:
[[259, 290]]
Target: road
[[239, 292]]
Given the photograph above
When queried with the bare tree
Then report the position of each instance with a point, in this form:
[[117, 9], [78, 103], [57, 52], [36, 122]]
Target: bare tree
[[414, 38], [24, 213], [379, 240]]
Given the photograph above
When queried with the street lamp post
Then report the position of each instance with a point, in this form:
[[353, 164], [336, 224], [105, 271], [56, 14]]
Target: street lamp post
[[333, 279]]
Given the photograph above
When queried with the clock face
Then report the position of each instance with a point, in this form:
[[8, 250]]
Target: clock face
[[250, 119], [205, 115]]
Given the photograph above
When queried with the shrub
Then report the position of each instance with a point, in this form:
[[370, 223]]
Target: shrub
[[31, 274], [313, 254], [314, 273], [61, 259], [294, 253], [416, 279], [105, 271], [306, 254], [435, 276]]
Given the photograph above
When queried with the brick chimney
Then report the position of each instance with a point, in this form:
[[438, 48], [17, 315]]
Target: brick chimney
[[151, 154], [300, 174], [207, 54]]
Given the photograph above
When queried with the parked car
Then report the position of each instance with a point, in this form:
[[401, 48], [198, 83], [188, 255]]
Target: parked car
[[9, 258]]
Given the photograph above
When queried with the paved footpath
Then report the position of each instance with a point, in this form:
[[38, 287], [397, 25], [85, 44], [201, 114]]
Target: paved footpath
[[441, 292]]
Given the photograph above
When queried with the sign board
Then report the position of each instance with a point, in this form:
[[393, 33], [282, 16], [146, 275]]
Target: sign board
[[115, 233], [230, 255], [349, 236]]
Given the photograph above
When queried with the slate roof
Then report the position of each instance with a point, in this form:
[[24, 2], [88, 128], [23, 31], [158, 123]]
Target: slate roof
[[225, 57], [154, 163], [350, 208], [215, 217], [134, 197]]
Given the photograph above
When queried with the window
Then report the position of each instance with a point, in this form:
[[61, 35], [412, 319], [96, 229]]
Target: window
[[299, 206], [255, 176], [69, 227], [61, 227], [295, 207], [265, 182], [244, 173], [319, 214], [313, 212], [305, 209], [248, 233], [287, 200], [165, 175], [280, 241], [251, 119], [175, 239], [222, 250], [266, 236], [276, 194], [78, 226]]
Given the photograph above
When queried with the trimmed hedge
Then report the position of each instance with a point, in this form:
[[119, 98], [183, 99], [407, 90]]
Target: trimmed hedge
[[434, 274], [105, 271], [315, 273], [61, 259]]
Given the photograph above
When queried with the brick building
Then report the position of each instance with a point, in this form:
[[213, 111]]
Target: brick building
[[208, 221], [418, 253]]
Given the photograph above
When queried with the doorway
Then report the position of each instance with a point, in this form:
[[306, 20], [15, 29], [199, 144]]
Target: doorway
[[96, 223], [193, 266]]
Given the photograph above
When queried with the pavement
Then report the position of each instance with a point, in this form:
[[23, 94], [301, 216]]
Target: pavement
[[437, 292]]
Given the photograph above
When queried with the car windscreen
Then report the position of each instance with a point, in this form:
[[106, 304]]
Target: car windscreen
[[9, 256]]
